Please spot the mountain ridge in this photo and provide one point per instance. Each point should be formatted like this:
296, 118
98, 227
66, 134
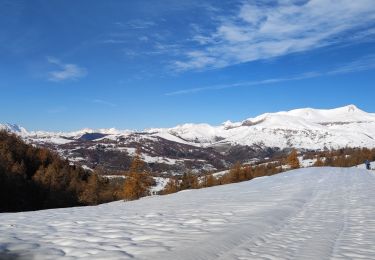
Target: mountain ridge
209, 148
299, 112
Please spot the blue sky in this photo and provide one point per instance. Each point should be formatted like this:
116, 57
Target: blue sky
67, 65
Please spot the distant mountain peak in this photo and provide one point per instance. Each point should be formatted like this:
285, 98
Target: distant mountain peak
14, 128
352, 108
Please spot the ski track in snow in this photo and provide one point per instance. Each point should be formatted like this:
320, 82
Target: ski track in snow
315, 213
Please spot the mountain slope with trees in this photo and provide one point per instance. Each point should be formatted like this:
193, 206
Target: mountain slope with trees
35, 178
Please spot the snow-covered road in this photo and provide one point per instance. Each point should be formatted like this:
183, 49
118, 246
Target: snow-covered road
315, 213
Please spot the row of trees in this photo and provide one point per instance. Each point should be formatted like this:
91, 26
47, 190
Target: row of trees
187, 181
138, 180
347, 157
237, 173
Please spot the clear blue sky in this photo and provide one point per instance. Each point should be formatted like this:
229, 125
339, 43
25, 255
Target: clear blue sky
66, 65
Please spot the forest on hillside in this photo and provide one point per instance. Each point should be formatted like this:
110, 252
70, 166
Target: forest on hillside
34, 178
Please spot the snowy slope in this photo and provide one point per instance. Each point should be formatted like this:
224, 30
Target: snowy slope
301, 128
315, 213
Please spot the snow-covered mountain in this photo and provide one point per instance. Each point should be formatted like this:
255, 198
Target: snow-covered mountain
204, 146
315, 213
301, 128
14, 129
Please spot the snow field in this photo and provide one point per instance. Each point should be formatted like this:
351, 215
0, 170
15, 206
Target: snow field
314, 213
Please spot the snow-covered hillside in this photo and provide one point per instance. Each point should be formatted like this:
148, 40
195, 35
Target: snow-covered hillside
14, 129
207, 147
315, 213
302, 128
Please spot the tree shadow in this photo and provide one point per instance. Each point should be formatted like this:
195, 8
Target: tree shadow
12, 256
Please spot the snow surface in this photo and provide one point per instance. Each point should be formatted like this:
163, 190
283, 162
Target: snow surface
363, 166
219, 174
160, 183
313, 213
304, 163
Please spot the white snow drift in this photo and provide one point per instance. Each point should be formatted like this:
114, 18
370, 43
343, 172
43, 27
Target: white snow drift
315, 213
